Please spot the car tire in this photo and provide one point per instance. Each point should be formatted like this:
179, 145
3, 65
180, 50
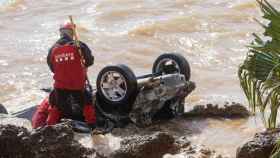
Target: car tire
178, 59
116, 88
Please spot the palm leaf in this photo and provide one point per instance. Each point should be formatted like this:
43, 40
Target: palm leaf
276, 151
259, 74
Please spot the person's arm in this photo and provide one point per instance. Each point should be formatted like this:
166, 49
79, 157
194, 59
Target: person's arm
49, 60
87, 54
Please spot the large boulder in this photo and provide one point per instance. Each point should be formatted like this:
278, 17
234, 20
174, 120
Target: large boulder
47, 142
152, 146
233, 110
57, 141
14, 142
261, 146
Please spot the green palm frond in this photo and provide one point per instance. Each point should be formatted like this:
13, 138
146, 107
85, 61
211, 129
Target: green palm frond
259, 74
276, 151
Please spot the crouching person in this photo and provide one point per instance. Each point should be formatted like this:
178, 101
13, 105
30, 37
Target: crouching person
47, 114
70, 73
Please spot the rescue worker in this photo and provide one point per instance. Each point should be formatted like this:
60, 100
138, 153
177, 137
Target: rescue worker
40, 116
70, 73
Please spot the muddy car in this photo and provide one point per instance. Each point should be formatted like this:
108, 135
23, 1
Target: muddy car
121, 95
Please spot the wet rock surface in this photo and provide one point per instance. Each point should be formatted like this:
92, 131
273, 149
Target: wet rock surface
233, 110
47, 142
261, 146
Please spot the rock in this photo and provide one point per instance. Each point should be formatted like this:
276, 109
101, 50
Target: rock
47, 142
261, 146
235, 110
56, 141
152, 146
3, 110
160, 145
14, 142
198, 151
182, 143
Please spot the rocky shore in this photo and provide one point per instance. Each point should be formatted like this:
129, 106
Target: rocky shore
58, 142
47, 142
18, 140
160, 145
233, 110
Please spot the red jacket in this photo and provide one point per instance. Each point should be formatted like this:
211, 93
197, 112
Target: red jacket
69, 73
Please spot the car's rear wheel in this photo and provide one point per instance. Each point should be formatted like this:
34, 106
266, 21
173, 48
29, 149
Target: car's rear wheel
172, 63
116, 88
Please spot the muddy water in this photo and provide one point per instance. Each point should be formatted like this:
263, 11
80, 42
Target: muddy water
211, 34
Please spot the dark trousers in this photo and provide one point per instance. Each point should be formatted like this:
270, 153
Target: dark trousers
70, 102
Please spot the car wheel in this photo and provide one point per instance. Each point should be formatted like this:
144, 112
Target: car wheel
172, 63
116, 88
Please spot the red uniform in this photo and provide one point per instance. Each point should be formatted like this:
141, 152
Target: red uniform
46, 114
40, 116
69, 73
64, 61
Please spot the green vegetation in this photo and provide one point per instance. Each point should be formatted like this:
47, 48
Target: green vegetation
276, 152
259, 75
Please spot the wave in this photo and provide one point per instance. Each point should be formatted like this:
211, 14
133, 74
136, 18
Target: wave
177, 24
10, 5
244, 6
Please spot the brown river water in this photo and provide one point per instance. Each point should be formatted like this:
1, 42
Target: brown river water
211, 34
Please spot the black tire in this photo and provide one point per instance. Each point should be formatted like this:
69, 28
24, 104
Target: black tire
183, 64
3, 110
123, 105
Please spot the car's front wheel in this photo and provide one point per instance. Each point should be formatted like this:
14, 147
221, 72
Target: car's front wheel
116, 88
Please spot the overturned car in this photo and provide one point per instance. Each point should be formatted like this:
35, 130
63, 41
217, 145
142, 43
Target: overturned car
120, 97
